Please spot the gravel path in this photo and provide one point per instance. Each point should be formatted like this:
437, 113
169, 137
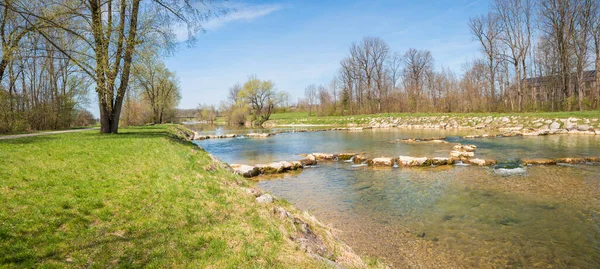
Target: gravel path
46, 133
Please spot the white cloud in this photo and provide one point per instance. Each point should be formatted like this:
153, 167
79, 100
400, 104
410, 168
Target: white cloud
237, 12
241, 13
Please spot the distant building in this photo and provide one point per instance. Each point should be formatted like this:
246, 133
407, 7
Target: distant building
539, 83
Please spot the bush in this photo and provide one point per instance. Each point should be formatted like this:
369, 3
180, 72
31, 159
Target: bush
83, 118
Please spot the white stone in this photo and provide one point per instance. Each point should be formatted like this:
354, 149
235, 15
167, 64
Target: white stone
412, 161
383, 161
459, 154
265, 199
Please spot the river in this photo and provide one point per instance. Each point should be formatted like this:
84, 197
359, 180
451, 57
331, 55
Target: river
452, 216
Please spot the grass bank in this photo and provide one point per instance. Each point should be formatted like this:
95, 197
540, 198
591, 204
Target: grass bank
303, 118
136, 199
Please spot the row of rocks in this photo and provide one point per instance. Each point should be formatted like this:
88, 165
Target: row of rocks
525, 124
424, 140
198, 136
544, 161
273, 167
407, 161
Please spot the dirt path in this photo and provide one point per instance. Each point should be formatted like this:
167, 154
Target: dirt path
46, 133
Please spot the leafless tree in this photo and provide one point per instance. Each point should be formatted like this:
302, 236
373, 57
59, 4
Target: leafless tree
515, 21
486, 29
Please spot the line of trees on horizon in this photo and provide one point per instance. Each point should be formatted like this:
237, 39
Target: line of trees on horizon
535, 56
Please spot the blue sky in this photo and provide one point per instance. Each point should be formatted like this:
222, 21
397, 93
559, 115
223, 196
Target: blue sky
297, 43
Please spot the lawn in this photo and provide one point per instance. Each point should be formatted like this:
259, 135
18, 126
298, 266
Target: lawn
141, 198
303, 118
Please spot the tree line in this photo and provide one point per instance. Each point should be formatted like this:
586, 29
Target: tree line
56, 51
535, 56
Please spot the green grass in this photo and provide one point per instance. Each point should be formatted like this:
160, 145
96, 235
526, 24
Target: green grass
303, 118
141, 198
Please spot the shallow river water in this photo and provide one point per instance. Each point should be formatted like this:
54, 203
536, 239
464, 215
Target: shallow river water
441, 217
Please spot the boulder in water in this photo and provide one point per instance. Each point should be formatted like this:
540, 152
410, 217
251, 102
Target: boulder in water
260, 135
461, 154
442, 161
345, 156
309, 160
358, 159
324, 156
466, 148
383, 161
245, 170
413, 161
482, 162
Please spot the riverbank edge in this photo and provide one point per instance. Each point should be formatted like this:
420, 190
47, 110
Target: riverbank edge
314, 234
526, 125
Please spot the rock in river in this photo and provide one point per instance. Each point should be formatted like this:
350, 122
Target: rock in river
324, 156
482, 162
383, 161
245, 170
539, 161
413, 161
461, 154
442, 161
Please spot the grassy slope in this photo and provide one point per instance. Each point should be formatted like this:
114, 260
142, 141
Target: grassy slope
303, 118
139, 198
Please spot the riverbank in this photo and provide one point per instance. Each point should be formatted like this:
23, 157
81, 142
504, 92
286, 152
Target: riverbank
144, 197
587, 122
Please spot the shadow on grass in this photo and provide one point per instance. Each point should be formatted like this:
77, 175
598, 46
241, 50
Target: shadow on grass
28, 140
109, 242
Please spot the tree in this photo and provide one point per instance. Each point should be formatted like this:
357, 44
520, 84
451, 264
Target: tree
515, 17
260, 96
487, 31
107, 34
310, 93
158, 85
418, 67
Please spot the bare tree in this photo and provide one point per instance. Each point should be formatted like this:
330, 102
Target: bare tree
310, 93
487, 31
515, 19
418, 67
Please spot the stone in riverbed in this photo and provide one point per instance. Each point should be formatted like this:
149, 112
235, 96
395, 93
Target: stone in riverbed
309, 160
383, 161
408, 161
358, 159
259, 135
467, 148
593, 159
481, 162
461, 154
442, 161
345, 156
554, 126
571, 160
245, 170
324, 156
538, 162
